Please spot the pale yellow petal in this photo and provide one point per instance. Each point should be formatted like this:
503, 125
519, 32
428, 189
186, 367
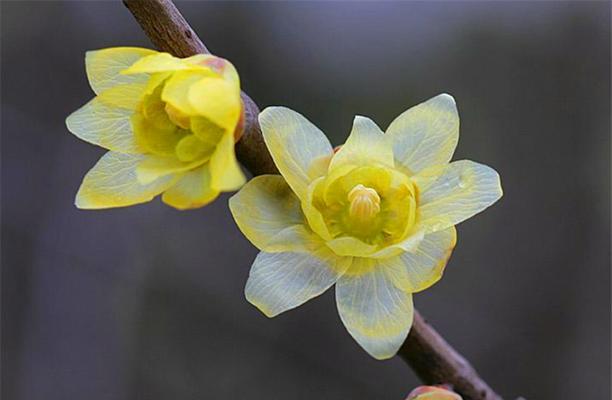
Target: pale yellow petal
366, 146
159, 62
104, 66
295, 145
154, 137
224, 168
191, 148
408, 244
313, 215
200, 60
152, 167
126, 96
176, 90
377, 314
155, 80
428, 176
266, 210
229, 74
218, 65
351, 247
282, 281
104, 126
464, 189
416, 271
217, 100
207, 131
112, 182
192, 190
427, 134
296, 238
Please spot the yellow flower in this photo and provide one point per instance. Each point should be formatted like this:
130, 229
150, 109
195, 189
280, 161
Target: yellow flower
168, 124
376, 218
433, 393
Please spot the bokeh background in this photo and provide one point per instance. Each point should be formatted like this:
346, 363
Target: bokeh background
147, 302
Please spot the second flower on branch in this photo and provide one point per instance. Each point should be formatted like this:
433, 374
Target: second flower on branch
376, 218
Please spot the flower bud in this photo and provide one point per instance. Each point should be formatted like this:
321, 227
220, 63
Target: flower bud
440, 392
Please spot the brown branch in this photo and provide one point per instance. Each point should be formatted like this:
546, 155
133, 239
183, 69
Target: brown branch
166, 27
435, 361
431, 357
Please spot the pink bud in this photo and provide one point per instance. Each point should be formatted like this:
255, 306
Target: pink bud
440, 392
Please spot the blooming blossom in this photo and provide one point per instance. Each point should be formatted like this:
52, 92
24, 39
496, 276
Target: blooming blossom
376, 218
169, 125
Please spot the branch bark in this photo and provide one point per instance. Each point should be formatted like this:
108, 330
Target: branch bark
435, 361
429, 355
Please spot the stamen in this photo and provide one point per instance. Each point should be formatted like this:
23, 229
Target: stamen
364, 203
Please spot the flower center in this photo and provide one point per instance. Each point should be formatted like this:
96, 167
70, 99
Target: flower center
177, 117
364, 203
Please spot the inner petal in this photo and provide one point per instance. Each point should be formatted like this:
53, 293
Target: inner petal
177, 117
374, 204
167, 130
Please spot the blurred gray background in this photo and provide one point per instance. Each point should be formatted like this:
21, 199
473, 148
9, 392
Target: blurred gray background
147, 302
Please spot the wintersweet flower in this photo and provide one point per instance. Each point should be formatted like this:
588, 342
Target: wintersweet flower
433, 393
376, 218
169, 125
